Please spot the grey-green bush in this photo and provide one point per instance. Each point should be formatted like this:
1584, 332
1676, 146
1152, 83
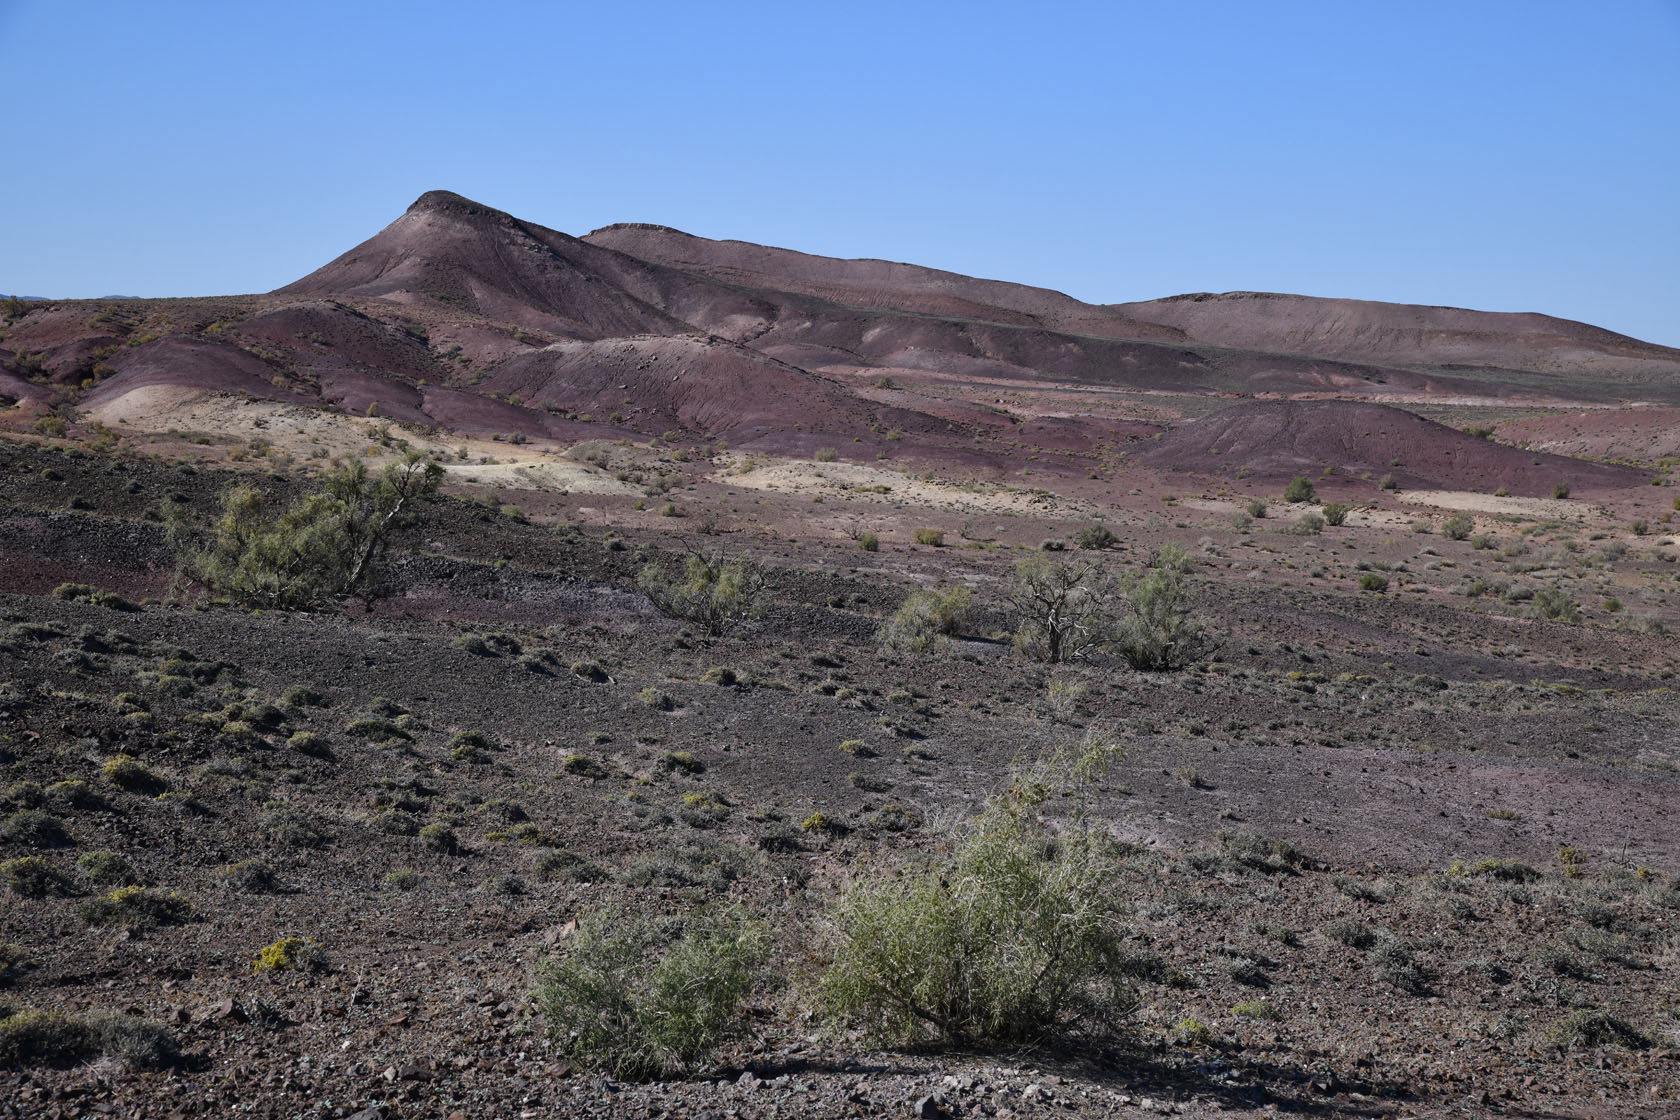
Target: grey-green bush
925, 618
713, 593
642, 1000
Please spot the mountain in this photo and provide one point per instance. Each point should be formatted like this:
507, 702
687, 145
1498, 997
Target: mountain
464, 317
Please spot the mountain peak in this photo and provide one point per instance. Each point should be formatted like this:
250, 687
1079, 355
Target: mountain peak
448, 202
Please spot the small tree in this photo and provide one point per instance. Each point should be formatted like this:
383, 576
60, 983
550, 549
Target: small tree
1159, 631
325, 547
1064, 608
713, 593
1300, 489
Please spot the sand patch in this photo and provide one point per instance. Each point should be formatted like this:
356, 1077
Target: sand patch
539, 475
858, 482
1539, 509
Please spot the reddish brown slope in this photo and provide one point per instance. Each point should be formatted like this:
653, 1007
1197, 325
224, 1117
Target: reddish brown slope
1406, 334
1283, 438
875, 283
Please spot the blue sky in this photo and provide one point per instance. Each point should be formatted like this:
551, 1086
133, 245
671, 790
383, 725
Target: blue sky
1520, 156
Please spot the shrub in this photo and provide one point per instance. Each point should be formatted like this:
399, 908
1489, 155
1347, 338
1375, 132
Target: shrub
1351, 932
297, 827
657, 699
930, 536
326, 546
1307, 525
249, 876
1158, 630
30, 1037
378, 730
1095, 537
439, 837
640, 1000
1554, 603
1388, 482
1300, 489
585, 767
86, 593
1064, 608
1335, 513
136, 908
312, 744
1256, 508
570, 867
127, 773
713, 593
1013, 937
35, 828
1371, 581
925, 617
105, 867
869, 542
1597, 1028
1561, 490
35, 877
290, 954
1457, 527
825, 455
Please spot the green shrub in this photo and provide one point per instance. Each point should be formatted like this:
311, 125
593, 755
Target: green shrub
439, 837
1388, 482
1300, 489
925, 617
326, 546
1307, 525
1561, 490
82, 592
36, 877
136, 908
1012, 938
1371, 581
1095, 537
825, 455
1457, 527
1158, 629
1256, 508
930, 536
127, 773
1335, 513
657, 699
713, 593
294, 826
1555, 604
377, 730
290, 954
1588, 1029
312, 744
35, 828
642, 1000
568, 866
585, 767
105, 867
869, 542
31, 1037
249, 876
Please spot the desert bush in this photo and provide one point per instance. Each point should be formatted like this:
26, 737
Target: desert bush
1457, 527
1307, 525
36, 877
869, 542
1554, 603
1300, 489
925, 618
86, 593
35, 828
642, 998
127, 773
930, 536
1371, 581
105, 867
1256, 508
825, 455
1064, 608
32, 1037
713, 593
312, 744
294, 826
1335, 513
1012, 937
1350, 932
326, 546
248, 876
290, 954
1597, 1028
569, 866
1258, 852
1561, 490
1158, 630
136, 908
1095, 537
439, 837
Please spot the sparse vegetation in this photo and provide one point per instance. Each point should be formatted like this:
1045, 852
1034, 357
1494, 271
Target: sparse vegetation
713, 593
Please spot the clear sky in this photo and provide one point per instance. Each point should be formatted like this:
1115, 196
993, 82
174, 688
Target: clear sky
1509, 156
